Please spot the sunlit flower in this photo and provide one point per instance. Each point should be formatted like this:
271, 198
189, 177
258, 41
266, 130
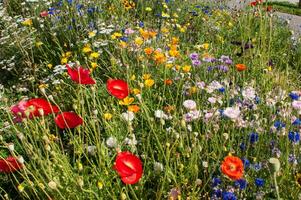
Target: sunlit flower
231, 112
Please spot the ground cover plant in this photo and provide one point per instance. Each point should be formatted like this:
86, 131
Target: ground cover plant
148, 100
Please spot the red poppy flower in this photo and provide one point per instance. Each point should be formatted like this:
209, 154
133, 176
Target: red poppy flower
44, 13
118, 88
240, 67
35, 107
129, 167
68, 120
80, 75
232, 167
9, 165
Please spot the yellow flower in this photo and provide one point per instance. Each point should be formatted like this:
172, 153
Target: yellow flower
27, 22
169, 66
123, 44
68, 54
149, 82
148, 9
174, 53
136, 91
49, 65
64, 60
165, 15
21, 187
174, 40
138, 41
193, 90
205, 46
146, 76
159, 57
87, 48
107, 116
186, 68
126, 101
133, 77
116, 35
94, 65
100, 185
165, 30
91, 34
38, 44
94, 55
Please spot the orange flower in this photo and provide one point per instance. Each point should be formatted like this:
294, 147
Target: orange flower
168, 82
148, 51
233, 167
134, 108
241, 67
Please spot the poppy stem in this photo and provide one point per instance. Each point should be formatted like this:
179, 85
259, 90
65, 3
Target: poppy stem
276, 186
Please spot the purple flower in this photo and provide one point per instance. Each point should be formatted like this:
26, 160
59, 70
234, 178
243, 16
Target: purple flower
226, 60
223, 68
194, 56
196, 63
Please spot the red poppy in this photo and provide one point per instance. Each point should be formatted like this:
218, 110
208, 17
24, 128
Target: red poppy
233, 167
240, 67
34, 107
118, 88
44, 13
9, 165
80, 75
68, 120
129, 167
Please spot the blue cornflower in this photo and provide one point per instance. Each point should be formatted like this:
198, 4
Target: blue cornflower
297, 122
257, 99
217, 193
216, 181
229, 196
257, 166
79, 6
294, 96
222, 89
125, 39
294, 136
243, 146
259, 182
91, 10
246, 163
278, 125
253, 137
69, 1
241, 183
141, 24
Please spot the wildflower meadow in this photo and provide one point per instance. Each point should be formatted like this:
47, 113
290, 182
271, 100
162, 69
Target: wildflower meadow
148, 99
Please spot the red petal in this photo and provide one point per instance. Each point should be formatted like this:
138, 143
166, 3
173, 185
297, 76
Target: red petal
80, 75
68, 120
118, 88
9, 165
134, 178
43, 104
129, 167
